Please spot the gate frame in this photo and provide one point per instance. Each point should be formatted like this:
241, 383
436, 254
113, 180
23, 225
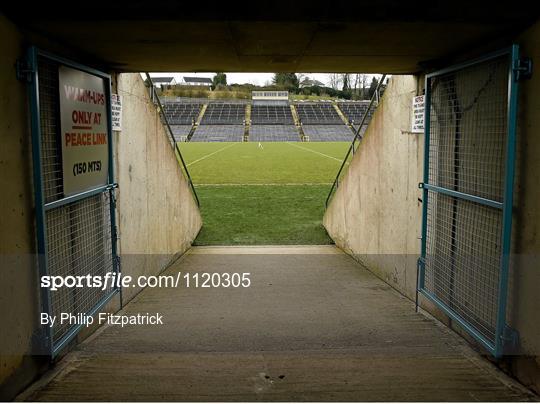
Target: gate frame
31, 70
503, 334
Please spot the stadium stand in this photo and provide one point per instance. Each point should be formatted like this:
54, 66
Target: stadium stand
180, 132
272, 122
321, 123
273, 133
224, 114
271, 115
182, 113
318, 114
354, 112
328, 133
218, 133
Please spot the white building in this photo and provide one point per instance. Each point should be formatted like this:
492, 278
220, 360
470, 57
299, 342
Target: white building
163, 81
197, 81
310, 83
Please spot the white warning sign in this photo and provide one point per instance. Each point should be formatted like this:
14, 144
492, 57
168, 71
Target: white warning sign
83, 122
116, 112
417, 121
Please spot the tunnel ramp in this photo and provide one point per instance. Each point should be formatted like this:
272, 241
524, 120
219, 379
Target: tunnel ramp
314, 325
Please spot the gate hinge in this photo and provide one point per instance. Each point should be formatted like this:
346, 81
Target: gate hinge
24, 70
420, 265
510, 340
111, 188
522, 68
421, 185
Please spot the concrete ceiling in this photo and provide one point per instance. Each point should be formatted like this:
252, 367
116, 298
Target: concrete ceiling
272, 36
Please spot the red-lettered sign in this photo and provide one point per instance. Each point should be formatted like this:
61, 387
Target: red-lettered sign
83, 122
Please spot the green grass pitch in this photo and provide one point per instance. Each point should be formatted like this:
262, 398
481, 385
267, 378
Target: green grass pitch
268, 194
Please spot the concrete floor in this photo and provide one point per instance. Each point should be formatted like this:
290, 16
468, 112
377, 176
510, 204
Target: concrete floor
313, 326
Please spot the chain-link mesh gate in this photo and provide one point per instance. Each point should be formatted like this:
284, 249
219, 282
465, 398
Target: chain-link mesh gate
467, 200
76, 234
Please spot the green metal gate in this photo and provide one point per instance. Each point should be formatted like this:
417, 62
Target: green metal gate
470, 134
76, 233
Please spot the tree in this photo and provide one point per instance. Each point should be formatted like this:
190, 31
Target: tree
335, 80
288, 81
356, 80
358, 85
373, 86
363, 80
219, 79
346, 82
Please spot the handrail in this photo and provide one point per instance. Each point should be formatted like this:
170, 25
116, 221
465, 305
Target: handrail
356, 136
177, 149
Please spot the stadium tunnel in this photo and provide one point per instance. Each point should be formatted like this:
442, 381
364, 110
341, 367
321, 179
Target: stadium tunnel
476, 207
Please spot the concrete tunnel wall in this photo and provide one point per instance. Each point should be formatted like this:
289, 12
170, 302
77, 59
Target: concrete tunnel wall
157, 216
376, 213
18, 273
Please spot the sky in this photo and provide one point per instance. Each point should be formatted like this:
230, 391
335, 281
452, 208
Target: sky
240, 78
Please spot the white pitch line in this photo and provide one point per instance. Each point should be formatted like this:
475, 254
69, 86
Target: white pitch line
211, 154
316, 152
